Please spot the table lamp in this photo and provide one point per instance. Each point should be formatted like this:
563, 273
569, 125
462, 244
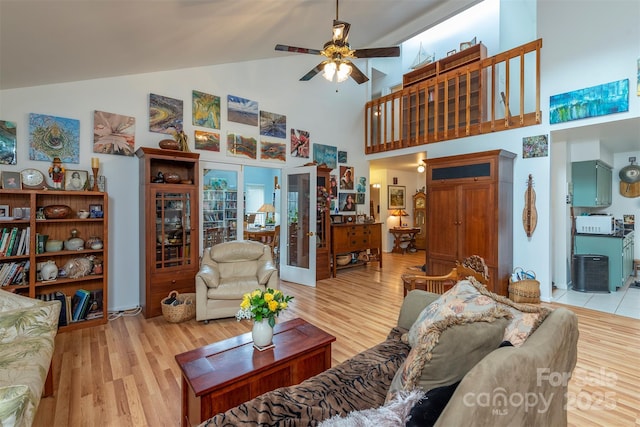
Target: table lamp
267, 208
399, 213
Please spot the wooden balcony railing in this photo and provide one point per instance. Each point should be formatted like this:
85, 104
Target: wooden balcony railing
474, 99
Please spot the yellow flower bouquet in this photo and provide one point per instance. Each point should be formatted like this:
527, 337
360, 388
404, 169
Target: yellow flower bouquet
259, 305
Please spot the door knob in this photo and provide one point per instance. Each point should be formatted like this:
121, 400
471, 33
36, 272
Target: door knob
309, 234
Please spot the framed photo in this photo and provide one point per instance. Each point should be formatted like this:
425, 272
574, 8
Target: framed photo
397, 196
95, 211
4, 211
75, 180
11, 180
336, 219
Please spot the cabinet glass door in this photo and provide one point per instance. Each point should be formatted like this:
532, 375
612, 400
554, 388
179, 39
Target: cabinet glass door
173, 229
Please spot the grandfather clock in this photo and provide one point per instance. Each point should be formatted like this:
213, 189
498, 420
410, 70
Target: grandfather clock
420, 218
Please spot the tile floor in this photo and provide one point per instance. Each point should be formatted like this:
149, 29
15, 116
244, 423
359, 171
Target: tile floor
624, 302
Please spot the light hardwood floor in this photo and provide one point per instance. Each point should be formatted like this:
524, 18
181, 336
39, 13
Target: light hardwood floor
124, 373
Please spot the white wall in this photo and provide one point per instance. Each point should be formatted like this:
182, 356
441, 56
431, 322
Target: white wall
331, 113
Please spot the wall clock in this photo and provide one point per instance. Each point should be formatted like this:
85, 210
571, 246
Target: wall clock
32, 179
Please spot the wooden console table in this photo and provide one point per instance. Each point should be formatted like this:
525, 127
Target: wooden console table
402, 235
227, 373
347, 238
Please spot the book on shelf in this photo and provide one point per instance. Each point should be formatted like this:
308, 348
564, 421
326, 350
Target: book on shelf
94, 310
11, 241
4, 237
11, 273
82, 301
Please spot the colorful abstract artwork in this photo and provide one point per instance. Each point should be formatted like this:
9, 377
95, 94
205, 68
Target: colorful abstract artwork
113, 134
207, 140
165, 114
273, 151
326, 154
241, 146
205, 110
272, 124
8, 143
535, 146
342, 157
608, 98
51, 136
241, 110
300, 143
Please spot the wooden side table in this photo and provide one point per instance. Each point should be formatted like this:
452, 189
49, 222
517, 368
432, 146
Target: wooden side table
227, 373
403, 235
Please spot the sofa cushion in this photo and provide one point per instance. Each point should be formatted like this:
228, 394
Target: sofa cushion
234, 288
470, 296
14, 401
449, 348
237, 251
40, 318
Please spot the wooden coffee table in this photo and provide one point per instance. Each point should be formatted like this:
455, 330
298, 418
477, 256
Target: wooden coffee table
227, 373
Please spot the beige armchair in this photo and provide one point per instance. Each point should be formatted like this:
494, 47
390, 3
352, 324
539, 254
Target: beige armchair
227, 272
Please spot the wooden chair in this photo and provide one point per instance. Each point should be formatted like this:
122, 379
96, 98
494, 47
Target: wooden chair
435, 284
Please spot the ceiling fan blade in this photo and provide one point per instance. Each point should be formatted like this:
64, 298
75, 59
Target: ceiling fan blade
294, 49
377, 52
313, 72
340, 31
357, 75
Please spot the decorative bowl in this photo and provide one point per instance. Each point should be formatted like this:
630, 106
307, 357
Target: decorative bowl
169, 144
53, 245
83, 214
56, 211
343, 259
172, 178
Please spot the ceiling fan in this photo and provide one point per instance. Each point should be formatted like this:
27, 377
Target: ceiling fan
339, 55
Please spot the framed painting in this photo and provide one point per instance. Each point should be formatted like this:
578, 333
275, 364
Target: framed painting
608, 98
342, 157
207, 140
326, 154
165, 114
346, 178
51, 137
397, 196
114, 134
535, 146
75, 180
299, 143
7, 143
11, 180
242, 146
241, 110
205, 110
273, 151
272, 124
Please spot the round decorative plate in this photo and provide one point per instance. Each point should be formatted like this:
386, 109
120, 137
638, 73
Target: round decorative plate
32, 179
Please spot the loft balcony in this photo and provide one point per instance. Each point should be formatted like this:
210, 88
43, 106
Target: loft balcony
462, 95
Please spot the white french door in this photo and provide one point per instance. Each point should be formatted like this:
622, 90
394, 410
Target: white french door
298, 227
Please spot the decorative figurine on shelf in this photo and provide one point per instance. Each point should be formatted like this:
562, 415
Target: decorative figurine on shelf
181, 137
56, 172
159, 178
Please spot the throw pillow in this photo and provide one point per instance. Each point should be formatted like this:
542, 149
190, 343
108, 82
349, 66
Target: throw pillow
470, 296
392, 414
449, 348
40, 318
426, 412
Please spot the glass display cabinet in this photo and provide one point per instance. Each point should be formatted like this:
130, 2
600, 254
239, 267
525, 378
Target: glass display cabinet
168, 225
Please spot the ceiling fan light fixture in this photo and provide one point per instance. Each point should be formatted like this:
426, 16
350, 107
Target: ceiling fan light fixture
329, 70
344, 71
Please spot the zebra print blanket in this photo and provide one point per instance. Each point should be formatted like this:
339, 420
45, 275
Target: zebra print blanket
359, 383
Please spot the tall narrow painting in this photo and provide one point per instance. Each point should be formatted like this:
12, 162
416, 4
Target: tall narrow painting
300, 143
205, 110
7, 143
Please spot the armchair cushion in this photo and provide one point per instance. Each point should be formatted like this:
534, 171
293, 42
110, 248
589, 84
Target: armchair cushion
265, 270
209, 276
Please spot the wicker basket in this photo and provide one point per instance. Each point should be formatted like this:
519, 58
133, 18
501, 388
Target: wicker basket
527, 290
185, 310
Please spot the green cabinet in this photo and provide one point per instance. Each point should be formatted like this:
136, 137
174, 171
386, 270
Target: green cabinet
592, 183
618, 249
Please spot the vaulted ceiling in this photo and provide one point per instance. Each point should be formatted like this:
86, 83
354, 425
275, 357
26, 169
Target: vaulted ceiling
54, 41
